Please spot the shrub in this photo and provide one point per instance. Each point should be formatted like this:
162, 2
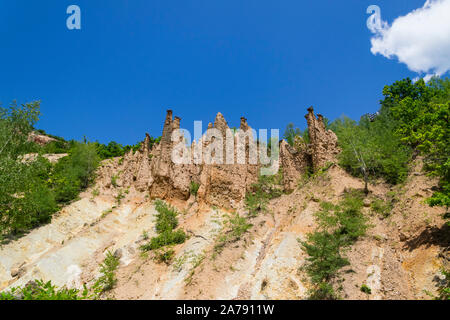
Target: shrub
372, 149
235, 226
364, 288
108, 268
74, 173
339, 226
166, 222
193, 188
164, 255
267, 188
381, 207
40, 290
119, 197
114, 181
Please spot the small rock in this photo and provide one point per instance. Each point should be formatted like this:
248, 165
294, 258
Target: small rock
366, 203
118, 253
402, 236
18, 270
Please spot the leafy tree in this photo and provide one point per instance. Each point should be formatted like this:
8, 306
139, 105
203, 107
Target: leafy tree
25, 199
372, 148
75, 172
421, 113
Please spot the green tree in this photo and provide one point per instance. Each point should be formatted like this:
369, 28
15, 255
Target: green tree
421, 113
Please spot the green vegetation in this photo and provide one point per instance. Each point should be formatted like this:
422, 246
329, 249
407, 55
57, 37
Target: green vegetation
40, 290
413, 120
422, 112
443, 287
291, 132
366, 289
108, 268
339, 226
119, 197
312, 177
164, 255
372, 148
166, 223
267, 188
193, 188
234, 226
31, 191
114, 181
74, 173
382, 207
114, 149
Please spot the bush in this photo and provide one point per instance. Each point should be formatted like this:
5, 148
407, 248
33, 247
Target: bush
381, 207
235, 226
266, 189
421, 114
74, 173
339, 226
108, 268
166, 222
164, 255
40, 290
193, 188
364, 288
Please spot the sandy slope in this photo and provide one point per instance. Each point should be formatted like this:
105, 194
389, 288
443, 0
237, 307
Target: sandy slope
398, 258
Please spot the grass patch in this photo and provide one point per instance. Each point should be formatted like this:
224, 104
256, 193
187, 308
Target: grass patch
235, 226
382, 207
120, 196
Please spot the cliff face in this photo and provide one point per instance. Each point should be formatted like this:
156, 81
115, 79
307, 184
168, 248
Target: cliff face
400, 256
301, 157
223, 180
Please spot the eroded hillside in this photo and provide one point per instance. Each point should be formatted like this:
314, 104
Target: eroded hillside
256, 257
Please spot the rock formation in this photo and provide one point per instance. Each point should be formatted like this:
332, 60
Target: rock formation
224, 163
40, 139
302, 157
323, 143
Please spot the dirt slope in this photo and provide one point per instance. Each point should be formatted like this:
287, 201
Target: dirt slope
398, 258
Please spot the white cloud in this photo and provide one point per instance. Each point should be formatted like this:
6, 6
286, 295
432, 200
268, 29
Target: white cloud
420, 39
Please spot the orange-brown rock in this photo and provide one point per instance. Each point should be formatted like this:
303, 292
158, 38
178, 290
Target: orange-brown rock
224, 181
323, 143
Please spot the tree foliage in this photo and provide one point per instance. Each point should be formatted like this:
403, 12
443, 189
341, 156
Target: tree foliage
421, 113
339, 226
31, 191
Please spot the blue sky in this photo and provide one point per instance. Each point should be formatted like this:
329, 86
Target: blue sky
132, 60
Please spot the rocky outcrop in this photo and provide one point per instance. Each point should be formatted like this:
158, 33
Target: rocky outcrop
40, 139
295, 161
302, 157
323, 146
224, 163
